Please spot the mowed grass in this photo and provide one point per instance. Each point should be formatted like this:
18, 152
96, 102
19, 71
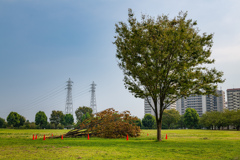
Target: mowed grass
181, 144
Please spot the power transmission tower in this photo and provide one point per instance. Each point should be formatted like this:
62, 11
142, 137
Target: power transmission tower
69, 103
93, 103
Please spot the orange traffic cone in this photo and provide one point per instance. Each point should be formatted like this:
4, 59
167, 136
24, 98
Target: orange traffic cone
62, 137
166, 136
33, 137
147, 134
36, 137
52, 135
88, 137
44, 138
127, 137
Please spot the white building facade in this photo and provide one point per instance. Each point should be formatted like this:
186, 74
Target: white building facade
149, 110
233, 98
202, 103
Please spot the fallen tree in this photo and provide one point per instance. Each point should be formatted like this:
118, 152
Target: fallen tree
107, 124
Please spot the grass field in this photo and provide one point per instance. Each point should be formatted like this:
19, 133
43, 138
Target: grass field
181, 144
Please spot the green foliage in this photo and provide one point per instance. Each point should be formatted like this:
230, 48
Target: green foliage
83, 117
165, 59
41, 119
53, 126
191, 118
228, 117
83, 111
69, 119
138, 122
56, 118
170, 118
149, 121
14, 119
236, 119
181, 123
216, 119
88, 115
60, 126
22, 120
2, 123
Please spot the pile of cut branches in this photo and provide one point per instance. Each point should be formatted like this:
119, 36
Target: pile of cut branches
107, 124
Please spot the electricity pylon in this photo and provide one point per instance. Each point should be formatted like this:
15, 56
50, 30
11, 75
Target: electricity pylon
69, 103
93, 103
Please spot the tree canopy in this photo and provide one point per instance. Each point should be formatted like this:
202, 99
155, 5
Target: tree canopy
215, 119
2, 123
148, 121
191, 118
68, 119
41, 119
165, 59
57, 117
83, 111
15, 119
170, 117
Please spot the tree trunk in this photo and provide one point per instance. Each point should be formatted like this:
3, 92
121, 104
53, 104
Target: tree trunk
159, 129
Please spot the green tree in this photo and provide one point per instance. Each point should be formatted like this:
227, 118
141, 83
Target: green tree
165, 59
138, 122
213, 119
13, 119
206, 120
191, 118
83, 118
22, 120
41, 119
181, 123
27, 124
82, 111
87, 115
69, 119
228, 117
56, 118
220, 119
171, 117
236, 119
148, 121
2, 123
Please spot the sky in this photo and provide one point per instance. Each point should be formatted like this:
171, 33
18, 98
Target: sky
44, 43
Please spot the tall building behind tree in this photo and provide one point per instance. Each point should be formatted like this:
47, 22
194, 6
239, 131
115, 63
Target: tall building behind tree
149, 110
233, 98
202, 103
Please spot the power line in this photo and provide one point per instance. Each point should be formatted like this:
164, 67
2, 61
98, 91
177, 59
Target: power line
44, 102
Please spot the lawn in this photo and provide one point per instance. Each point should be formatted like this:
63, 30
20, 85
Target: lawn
181, 144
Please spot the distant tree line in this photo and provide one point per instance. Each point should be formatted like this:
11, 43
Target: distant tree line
221, 120
209, 120
57, 120
171, 120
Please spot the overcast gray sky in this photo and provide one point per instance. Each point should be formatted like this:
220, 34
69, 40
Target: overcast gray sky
43, 43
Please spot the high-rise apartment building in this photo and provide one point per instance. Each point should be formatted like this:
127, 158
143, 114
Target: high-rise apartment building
147, 107
233, 98
202, 103
149, 110
197, 102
